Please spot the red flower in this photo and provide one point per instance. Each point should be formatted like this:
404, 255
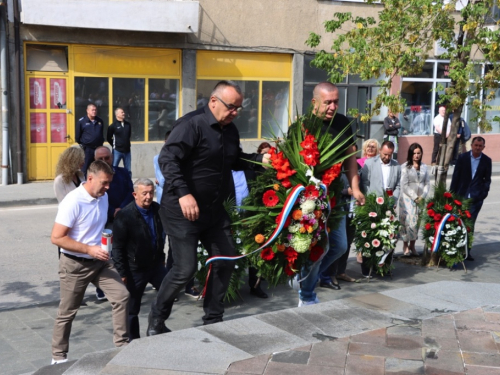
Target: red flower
427, 226
311, 192
447, 207
468, 229
287, 221
447, 194
451, 218
270, 198
457, 202
331, 174
438, 217
286, 183
333, 202
311, 157
430, 204
267, 253
290, 254
288, 270
467, 213
309, 143
316, 253
431, 213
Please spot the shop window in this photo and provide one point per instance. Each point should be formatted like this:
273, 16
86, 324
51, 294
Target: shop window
46, 58
163, 107
417, 118
93, 90
128, 93
275, 111
427, 71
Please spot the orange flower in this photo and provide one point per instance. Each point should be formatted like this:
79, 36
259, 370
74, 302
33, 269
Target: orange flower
297, 215
276, 187
310, 230
317, 214
260, 238
302, 230
280, 247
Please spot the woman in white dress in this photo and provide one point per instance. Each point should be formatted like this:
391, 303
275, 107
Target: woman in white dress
68, 173
415, 184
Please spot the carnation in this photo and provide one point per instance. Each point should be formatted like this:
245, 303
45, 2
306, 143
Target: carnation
363, 234
367, 245
388, 213
379, 253
300, 243
376, 243
372, 214
373, 225
294, 228
308, 207
380, 200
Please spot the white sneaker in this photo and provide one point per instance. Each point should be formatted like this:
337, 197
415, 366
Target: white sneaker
305, 303
54, 362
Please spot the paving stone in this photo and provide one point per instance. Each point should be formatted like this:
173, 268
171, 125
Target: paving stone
476, 325
492, 316
397, 366
473, 314
384, 351
255, 365
253, 336
403, 331
364, 364
481, 370
444, 361
54, 369
477, 341
291, 356
377, 336
441, 343
405, 343
329, 353
207, 353
120, 370
481, 359
92, 363
276, 368
439, 327
306, 348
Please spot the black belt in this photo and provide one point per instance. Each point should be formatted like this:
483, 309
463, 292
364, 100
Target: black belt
79, 259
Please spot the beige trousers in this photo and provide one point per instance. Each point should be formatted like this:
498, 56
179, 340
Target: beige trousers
75, 276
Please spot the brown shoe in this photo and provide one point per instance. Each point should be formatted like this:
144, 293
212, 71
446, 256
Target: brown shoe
347, 278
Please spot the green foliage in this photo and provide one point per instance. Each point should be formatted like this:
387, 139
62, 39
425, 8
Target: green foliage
402, 38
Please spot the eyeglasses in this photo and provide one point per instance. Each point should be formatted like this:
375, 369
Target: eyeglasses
230, 107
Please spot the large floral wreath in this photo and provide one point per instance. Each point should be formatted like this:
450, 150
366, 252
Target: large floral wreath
376, 232
447, 225
292, 204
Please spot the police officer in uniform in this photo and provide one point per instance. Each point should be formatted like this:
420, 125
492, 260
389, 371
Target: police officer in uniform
89, 134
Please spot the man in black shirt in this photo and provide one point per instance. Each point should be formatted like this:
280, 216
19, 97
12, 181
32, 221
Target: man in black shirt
196, 162
89, 134
118, 137
326, 101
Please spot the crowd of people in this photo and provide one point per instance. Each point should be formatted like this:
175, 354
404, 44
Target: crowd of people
199, 167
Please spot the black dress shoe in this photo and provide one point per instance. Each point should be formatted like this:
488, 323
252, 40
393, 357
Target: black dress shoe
329, 285
257, 292
469, 258
156, 326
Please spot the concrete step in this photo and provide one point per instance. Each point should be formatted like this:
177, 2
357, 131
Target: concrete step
55, 369
92, 363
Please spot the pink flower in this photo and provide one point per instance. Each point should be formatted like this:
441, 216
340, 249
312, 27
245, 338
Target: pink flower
391, 235
392, 218
373, 226
376, 243
380, 200
373, 214
367, 245
363, 234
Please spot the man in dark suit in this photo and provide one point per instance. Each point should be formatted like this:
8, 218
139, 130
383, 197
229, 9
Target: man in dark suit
472, 177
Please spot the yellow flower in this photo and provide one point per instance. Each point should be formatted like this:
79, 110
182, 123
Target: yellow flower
310, 230
302, 230
276, 187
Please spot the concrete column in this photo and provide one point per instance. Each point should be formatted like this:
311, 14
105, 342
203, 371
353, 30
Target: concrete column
297, 84
188, 80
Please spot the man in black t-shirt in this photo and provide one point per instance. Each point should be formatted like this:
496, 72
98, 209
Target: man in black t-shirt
326, 101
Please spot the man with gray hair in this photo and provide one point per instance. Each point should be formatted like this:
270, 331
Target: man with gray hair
196, 161
138, 243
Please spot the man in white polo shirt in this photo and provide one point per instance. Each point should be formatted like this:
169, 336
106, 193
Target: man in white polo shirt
77, 231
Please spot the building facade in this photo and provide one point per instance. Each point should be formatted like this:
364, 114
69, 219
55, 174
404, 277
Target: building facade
159, 59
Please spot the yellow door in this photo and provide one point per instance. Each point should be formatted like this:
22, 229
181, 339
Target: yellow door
47, 119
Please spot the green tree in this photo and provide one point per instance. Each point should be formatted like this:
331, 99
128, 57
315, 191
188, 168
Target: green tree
399, 42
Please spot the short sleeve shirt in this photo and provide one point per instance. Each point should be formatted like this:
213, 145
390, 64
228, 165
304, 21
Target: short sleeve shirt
85, 216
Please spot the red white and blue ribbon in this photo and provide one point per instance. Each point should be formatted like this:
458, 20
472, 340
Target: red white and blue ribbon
437, 236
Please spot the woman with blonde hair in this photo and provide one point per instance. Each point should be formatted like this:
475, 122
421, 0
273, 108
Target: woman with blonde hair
68, 173
369, 150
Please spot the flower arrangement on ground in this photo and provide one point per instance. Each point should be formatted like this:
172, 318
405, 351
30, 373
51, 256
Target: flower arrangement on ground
292, 204
447, 225
376, 232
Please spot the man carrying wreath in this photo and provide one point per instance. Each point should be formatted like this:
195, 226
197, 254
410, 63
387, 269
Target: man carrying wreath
326, 102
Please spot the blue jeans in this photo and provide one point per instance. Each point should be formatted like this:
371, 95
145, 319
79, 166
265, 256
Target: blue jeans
126, 157
338, 246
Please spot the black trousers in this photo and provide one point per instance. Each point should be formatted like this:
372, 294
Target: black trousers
170, 263
136, 283
89, 158
435, 150
217, 239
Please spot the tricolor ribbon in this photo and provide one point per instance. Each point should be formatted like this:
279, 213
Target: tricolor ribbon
437, 236
285, 212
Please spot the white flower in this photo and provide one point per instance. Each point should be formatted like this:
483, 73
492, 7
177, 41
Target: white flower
308, 207
383, 233
379, 253
388, 213
367, 245
294, 228
199, 266
453, 232
238, 241
367, 255
373, 226
431, 239
447, 226
235, 266
199, 249
205, 252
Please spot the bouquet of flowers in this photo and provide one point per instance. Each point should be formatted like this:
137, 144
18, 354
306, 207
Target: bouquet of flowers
447, 226
292, 204
376, 232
